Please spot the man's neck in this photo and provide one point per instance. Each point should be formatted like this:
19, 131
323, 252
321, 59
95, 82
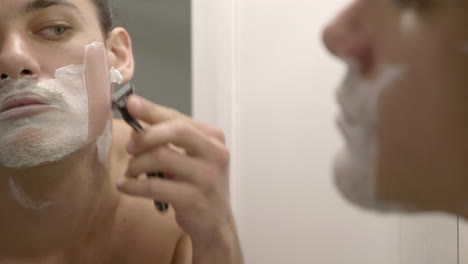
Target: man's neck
56, 209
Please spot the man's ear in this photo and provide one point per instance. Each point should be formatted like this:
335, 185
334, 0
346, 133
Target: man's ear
120, 53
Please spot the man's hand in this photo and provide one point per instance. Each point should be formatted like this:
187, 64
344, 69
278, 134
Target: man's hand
195, 161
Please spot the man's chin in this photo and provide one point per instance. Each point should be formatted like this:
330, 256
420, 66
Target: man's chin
357, 183
38, 150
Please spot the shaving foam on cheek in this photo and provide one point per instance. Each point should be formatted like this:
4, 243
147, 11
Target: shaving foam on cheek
65, 127
355, 166
65, 122
53, 134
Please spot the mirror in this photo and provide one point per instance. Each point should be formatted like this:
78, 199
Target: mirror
270, 57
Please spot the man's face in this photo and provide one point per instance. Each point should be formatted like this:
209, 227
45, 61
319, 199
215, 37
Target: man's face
416, 144
40, 41
39, 36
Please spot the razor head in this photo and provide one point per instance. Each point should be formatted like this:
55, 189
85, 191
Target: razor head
119, 102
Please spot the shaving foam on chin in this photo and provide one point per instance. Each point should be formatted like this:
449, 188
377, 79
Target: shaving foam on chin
64, 126
53, 134
355, 167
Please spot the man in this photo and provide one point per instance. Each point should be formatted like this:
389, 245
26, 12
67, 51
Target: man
404, 114
62, 156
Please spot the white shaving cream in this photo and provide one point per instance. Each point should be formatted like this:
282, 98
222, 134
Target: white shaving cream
115, 76
355, 167
51, 135
58, 131
18, 194
104, 143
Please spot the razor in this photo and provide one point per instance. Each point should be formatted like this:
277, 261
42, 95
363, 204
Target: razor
119, 102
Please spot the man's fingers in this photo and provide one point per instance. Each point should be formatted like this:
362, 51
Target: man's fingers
179, 133
149, 112
174, 193
168, 161
210, 130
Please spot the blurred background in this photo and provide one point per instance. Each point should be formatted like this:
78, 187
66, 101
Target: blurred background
161, 35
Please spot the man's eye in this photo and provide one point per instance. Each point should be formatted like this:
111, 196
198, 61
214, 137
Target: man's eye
54, 32
60, 30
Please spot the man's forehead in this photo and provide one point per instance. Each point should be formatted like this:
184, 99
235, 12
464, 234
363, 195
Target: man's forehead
34, 5
29, 6
24, 7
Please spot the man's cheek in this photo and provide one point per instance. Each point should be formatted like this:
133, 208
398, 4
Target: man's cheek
99, 82
35, 138
79, 98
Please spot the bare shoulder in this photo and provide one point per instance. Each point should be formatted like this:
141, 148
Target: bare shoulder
151, 236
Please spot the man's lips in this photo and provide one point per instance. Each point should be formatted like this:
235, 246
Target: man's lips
21, 100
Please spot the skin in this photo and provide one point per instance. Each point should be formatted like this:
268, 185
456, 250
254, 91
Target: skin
99, 215
423, 118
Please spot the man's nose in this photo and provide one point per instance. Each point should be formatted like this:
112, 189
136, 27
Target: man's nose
16, 59
345, 36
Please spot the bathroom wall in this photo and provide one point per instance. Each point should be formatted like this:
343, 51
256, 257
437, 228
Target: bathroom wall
261, 73
463, 242
161, 34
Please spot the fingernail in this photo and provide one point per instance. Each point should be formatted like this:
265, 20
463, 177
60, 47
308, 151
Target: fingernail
120, 182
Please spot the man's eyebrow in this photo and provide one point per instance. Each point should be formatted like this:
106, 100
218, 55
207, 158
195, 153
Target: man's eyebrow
36, 5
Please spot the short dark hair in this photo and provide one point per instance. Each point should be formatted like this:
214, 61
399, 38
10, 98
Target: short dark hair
104, 13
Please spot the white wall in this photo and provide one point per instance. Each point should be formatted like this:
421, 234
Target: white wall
261, 73
463, 242
161, 33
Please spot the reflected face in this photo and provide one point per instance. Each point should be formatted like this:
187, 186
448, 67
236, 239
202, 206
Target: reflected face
37, 38
416, 147
40, 36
